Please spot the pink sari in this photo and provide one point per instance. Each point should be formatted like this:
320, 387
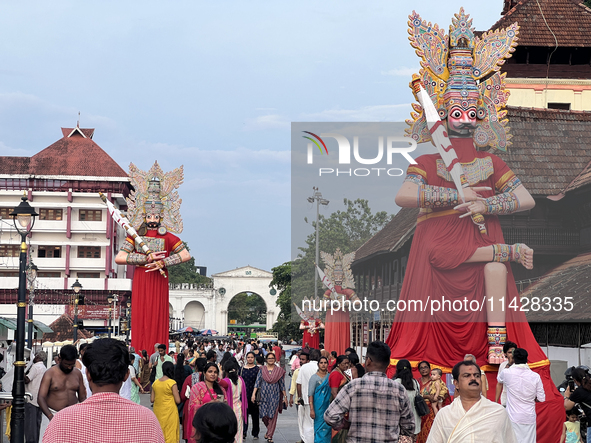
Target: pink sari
199, 396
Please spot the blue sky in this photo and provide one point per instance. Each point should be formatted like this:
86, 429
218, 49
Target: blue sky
213, 86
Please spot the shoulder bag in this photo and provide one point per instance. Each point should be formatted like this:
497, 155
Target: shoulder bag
420, 403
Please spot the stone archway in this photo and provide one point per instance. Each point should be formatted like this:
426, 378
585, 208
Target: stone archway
246, 279
195, 315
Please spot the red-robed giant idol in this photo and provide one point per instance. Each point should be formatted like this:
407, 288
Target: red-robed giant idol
153, 209
451, 258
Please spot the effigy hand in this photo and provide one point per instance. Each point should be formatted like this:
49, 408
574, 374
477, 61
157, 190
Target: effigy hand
155, 256
473, 207
155, 266
472, 194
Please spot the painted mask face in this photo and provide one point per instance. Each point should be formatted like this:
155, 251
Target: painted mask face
461, 122
152, 221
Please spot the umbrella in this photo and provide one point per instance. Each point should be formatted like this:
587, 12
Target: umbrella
186, 329
208, 332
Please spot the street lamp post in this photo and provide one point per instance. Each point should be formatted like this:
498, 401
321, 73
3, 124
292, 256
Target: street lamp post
128, 319
110, 301
317, 197
31, 277
76, 287
24, 219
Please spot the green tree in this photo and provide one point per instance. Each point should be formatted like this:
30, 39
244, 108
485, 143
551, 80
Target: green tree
346, 229
186, 272
285, 326
588, 3
247, 308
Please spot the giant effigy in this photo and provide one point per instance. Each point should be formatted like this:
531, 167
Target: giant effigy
459, 261
153, 211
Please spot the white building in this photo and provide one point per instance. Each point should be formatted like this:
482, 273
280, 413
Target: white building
73, 237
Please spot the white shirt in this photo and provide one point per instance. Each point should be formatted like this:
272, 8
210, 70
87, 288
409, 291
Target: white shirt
35, 375
523, 387
504, 391
306, 372
125, 390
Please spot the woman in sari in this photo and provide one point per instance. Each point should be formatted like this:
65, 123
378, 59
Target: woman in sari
165, 396
273, 396
203, 392
425, 387
145, 371
236, 395
189, 382
338, 378
319, 399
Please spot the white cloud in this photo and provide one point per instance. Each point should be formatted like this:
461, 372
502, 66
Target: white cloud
402, 71
375, 113
269, 121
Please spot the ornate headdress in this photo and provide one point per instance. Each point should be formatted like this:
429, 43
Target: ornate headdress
340, 264
155, 194
455, 72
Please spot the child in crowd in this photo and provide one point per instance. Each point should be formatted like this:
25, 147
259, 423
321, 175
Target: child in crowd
571, 431
438, 389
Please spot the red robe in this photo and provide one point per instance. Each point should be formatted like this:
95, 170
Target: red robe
337, 325
150, 306
436, 270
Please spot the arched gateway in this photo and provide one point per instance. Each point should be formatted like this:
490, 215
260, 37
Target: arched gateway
201, 306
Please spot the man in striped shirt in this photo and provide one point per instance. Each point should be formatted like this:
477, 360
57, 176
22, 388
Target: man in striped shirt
379, 410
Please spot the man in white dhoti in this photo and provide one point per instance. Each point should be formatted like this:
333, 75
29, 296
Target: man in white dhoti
524, 389
472, 417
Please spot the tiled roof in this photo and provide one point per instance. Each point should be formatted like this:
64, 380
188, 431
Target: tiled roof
72, 155
389, 238
63, 330
568, 20
550, 149
571, 279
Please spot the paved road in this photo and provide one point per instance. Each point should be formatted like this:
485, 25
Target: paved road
287, 424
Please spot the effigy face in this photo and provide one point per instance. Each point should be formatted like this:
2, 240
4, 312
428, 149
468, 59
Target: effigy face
460, 72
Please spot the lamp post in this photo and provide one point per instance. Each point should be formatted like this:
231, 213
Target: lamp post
110, 301
128, 319
317, 197
24, 219
31, 277
76, 288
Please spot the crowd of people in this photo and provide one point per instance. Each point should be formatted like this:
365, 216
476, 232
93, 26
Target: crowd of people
216, 389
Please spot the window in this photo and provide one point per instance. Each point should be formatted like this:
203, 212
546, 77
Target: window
10, 250
50, 214
49, 252
89, 252
45, 274
565, 106
8, 273
90, 215
5, 212
88, 274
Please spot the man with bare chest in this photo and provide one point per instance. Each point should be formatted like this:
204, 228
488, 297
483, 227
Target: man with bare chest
62, 386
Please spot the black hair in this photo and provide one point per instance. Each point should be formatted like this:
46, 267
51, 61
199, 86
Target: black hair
508, 345
83, 346
572, 412
404, 373
379, 352
323, 357
250, 352
168, 369
210, 354
231, 369
107, 361
69, 352
215, 422
351, 350
424, 361
179, 370
162, 346
439, 371
260, 359
216, 386
144, 353
334, 354
520, 356
200, 364
340, 359
315, 354
455, 372
131, 357
582, 376
353, 358
227, 356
